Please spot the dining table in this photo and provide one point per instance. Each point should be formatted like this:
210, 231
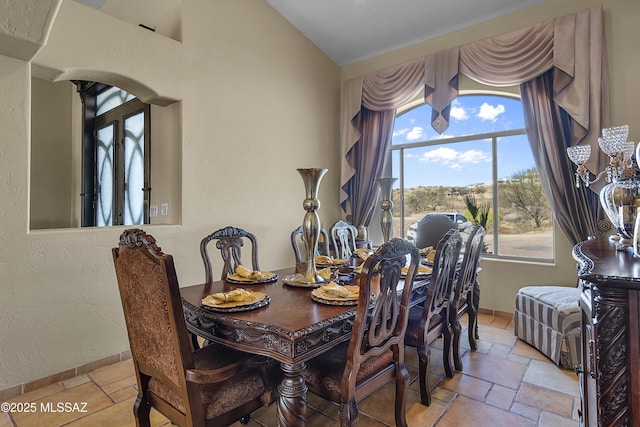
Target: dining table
287, 326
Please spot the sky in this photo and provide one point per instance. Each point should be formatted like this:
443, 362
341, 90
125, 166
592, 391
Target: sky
464, 163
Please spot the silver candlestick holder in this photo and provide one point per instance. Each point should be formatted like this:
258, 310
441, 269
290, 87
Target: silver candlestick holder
386, 216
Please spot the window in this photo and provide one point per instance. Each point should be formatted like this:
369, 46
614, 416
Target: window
116, 158
483, 160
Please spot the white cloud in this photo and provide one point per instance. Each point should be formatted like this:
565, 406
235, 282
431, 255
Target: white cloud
489, 112
458, 113
400, 132
416, 133
474, 156
455, 159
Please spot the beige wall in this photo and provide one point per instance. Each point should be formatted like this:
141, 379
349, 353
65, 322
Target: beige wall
51, 197
257, 100
500, 280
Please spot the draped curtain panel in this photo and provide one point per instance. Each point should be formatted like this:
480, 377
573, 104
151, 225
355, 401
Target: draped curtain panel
370, 153
548, 128
572, 46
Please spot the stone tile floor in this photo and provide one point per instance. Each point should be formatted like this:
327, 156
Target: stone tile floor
505, 382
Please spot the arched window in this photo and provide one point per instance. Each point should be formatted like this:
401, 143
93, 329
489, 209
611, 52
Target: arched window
483, 160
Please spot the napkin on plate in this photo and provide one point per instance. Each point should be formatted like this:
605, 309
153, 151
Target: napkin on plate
244, 272
422, 269
236, 295
325, 273
363, 253
429, 252
335, 290
324, 259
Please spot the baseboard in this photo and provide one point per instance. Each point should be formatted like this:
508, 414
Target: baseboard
496, 313
18, 390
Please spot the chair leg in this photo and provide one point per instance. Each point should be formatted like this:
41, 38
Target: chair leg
348, 414
472, 331
402, 379
457, 333
424, 361
476, 307
142, 406
447, 351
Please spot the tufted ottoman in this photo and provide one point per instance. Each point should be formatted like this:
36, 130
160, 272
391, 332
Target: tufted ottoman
548, 318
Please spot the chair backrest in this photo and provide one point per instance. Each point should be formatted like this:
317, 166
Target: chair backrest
229, 240
150, 295
381, 317
297, 242
442, 278
343, 239
468, 272
432, 228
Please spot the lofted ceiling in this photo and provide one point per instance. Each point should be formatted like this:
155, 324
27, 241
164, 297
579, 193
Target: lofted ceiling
346, 30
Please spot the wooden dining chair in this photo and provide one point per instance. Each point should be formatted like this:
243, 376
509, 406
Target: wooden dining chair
343, 239
229, 240
297, 242
211, 386
431, 320
466, 294
432, 228
375, 353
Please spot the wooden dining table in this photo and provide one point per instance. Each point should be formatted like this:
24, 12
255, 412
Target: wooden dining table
292, 329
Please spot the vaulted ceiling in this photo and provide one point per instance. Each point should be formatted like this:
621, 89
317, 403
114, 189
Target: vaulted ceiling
346, 30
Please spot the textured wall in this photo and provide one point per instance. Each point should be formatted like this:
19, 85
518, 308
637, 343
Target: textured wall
257, 101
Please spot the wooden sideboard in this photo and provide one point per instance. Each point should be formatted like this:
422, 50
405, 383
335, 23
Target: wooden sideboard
610, 303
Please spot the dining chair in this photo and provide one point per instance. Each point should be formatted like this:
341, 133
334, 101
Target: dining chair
428, 322
466, 294
297, 242
210, 386
343, 239
374, 354
229, 240
432, 228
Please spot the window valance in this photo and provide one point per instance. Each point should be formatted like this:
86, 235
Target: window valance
572, 45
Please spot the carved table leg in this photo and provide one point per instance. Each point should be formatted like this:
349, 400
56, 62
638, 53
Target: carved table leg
292, 402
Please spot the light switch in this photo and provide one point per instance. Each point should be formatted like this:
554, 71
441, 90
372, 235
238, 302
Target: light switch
164, 209
153, 211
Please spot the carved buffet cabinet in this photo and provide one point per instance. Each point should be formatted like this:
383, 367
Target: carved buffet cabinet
610, 303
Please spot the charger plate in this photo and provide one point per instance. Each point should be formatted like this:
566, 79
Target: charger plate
236, 278
319, 295
259, 299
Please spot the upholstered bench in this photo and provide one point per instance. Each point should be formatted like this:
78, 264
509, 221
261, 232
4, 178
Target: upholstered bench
548, 318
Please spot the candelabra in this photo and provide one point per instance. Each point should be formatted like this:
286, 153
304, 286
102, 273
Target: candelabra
613, 143
620, 197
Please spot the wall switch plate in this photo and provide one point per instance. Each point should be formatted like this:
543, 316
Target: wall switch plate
164, 209
153, 211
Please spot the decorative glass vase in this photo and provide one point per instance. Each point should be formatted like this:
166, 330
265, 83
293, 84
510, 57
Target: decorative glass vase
620, 201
